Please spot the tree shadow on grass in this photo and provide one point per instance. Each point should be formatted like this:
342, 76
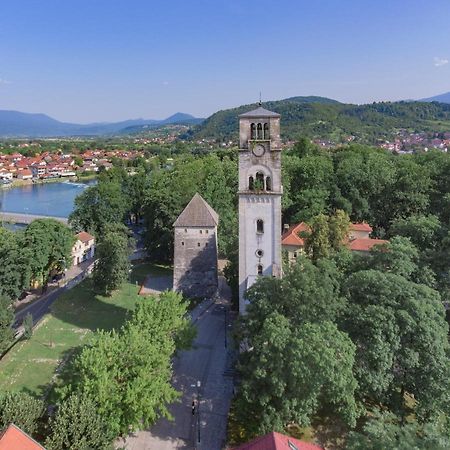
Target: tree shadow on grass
88, 311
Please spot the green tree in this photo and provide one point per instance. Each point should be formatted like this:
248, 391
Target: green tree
28, 326
48, 244
339, 226
78, 426
98, 206
128, 373
421, 230
21, 409
317, 241
14, 267
112, 266
400, 333
6, 322
290, 373
384, 431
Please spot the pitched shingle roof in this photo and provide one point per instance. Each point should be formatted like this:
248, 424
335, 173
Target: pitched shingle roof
13, 438
277, 441
260, 112
84, 236
197, 214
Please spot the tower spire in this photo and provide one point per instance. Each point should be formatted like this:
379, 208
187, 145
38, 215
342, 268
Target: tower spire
260, 103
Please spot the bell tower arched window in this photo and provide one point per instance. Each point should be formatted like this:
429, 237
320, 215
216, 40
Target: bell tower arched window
251, 184
259, 184
266, 131
252, 131
260, 226
260, 131
268, 184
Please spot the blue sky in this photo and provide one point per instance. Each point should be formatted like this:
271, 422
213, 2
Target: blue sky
107, 60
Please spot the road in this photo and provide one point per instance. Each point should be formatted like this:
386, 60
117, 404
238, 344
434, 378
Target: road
210, 363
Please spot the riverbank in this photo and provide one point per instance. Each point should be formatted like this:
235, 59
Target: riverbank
20, 183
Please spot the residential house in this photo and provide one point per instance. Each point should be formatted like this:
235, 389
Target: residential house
359, 241
24, 174
84, 248
277, 441
13, 438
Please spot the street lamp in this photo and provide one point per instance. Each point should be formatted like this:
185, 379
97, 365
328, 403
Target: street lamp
198, 410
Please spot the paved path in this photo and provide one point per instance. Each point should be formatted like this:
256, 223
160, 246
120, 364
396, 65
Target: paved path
208, 362
26, 218
156, 284
41, 306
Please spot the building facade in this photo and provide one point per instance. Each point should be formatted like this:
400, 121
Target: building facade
260, 192
195, 271
84, 248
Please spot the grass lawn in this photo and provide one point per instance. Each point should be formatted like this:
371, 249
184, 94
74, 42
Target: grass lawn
30, 365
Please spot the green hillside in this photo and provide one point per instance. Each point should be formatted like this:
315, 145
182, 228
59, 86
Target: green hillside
317, 117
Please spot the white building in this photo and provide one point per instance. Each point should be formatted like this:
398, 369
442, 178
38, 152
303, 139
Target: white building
259, 193
84, 247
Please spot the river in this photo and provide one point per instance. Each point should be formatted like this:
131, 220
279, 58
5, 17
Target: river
47, 199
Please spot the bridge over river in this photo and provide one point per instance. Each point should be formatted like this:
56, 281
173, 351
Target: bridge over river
25, 219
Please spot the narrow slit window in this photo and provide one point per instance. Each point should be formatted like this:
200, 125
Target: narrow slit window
253, 131
260, 226
266, 131
268, 184
260, 269
251, 184
198, 244
260, 131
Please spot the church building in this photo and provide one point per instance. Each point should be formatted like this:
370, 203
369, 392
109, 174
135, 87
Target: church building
260, 192
195, 250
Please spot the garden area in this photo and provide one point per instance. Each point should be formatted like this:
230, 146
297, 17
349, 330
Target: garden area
32, 364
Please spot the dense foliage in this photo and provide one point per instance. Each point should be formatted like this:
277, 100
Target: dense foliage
127, 373
326, 119
21, 409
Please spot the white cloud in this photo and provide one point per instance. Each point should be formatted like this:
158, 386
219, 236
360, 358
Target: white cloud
438, 62
165, 83
3, 81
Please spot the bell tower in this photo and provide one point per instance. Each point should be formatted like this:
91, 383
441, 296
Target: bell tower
259, 194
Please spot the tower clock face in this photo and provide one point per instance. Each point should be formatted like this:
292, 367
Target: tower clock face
258, 150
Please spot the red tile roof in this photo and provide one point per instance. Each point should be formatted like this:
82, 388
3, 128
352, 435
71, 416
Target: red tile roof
365, 244
291, 236
277, 441
361, 227
84, 236
13, 438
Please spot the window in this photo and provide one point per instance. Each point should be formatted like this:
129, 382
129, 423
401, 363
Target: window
260, 131
251, 184
259, 185
252, 131
260, 269
268, 184
260, 226
201, 231
206, 244
206, 231
259, 253
182, 242
198, 244
266, 131
185, 230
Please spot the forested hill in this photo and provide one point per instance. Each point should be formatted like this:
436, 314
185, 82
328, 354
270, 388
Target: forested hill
322, 118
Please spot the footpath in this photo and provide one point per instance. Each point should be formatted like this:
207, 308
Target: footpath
204, 376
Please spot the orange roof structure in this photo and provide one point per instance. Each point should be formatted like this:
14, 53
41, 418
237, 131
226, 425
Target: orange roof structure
291, 236
361, 227
277, 441
13, 438
84, 236
365, 244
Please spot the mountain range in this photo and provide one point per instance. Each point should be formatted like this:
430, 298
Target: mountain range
311, 116
20, 124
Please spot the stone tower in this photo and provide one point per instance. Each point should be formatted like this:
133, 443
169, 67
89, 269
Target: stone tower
259, 193
195, 252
